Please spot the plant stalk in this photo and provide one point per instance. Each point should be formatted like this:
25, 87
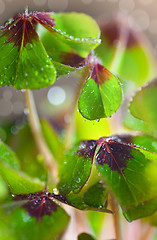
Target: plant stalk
35, 126
116, 218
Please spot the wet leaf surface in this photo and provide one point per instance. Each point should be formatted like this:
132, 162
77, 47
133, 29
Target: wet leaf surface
17, 181
76, 167
77, 34
21, 65
101, 95
38, 204
129, 172
20, 225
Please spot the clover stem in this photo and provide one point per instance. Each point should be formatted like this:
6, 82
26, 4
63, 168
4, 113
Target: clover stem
78, 224
37, 134
116, 217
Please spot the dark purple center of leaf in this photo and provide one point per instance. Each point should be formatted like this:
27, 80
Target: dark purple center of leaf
43, 18
38, 205
100, 74
113, 153
22, 28
87, 149
60, 197
73, 60
21, 33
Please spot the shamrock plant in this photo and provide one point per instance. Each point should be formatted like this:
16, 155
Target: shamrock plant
88, 167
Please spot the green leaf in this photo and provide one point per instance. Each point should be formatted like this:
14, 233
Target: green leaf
95, 195
80, 28
62, 69
153, 219
75, 33
66, 41
133, 123
19, 225
52, 140
130, 173
8, 156
24, 146
72, 39
85, 236
21, 65
76, 168
143, 106
134, 56
3, 189
91, 197
101, 95
64, 59
18, 182
142, 141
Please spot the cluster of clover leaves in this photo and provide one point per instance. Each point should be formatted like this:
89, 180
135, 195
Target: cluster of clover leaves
36, 49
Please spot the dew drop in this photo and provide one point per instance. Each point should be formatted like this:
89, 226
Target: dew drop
154, 144
56, 95
26, 111
14, 130
79, 180
55, 190
142, 19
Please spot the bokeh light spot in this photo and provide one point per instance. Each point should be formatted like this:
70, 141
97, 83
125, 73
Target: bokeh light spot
141, 18
126, 6
56, 95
